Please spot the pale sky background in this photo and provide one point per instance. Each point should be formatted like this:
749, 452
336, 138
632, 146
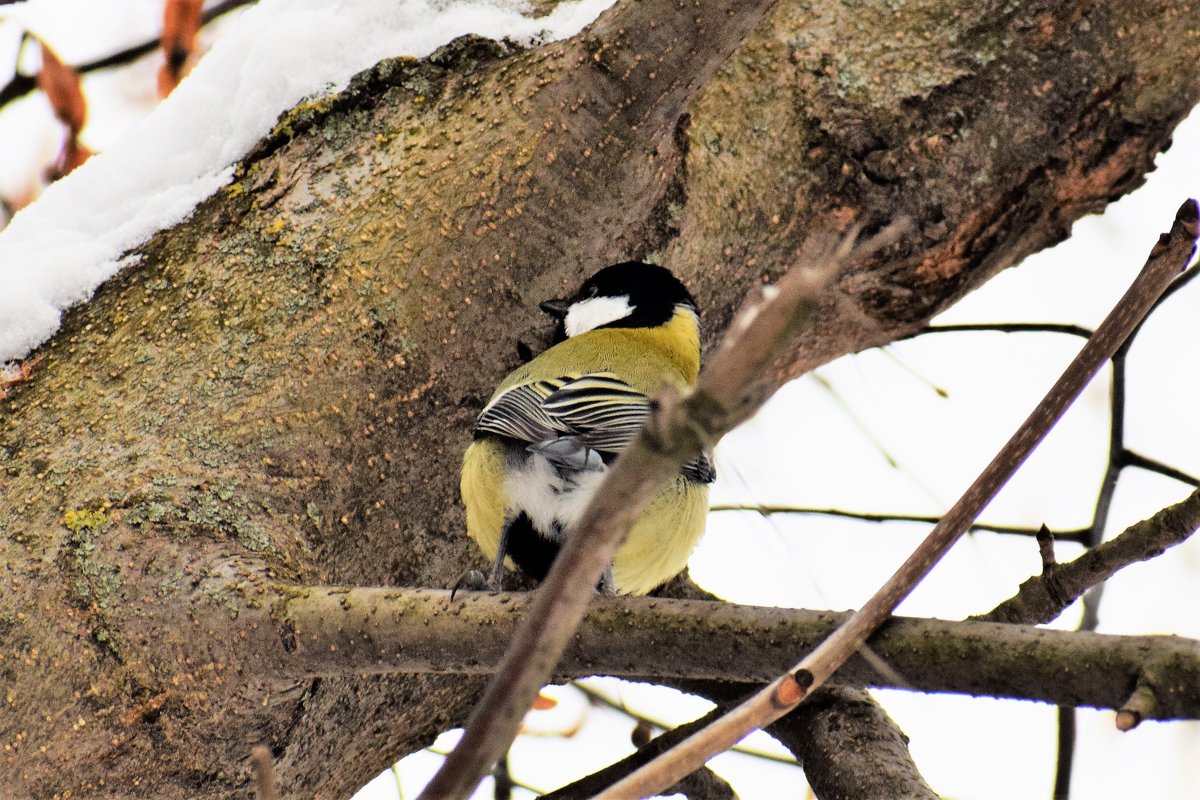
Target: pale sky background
812, 446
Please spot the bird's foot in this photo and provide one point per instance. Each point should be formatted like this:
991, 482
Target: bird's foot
472, 580
607, 586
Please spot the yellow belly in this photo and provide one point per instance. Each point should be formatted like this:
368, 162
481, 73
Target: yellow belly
656, 550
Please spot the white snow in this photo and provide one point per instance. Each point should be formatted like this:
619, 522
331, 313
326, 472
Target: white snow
57, 250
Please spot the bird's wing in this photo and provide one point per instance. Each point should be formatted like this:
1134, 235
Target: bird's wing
598, 409
518, 413
604, 411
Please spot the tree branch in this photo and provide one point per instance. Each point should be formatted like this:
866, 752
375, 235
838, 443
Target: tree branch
1067, 536
850, 748
1043, 597
1132, 459
847, 744
590, 784
352, 631
875, 763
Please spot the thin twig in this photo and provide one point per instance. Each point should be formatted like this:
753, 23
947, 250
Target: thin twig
1065, 754
1073, 535
1168, 257
1004, 327
1043, 597
655, 722
1119, 457
1132, 459
851, 748
1141, 704
590, 784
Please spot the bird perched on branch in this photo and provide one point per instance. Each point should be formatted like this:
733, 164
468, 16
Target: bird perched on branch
553, 427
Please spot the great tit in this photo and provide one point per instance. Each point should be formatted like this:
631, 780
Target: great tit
555, 425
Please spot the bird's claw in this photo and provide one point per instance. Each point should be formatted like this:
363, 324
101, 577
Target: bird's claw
471, 581
607, 586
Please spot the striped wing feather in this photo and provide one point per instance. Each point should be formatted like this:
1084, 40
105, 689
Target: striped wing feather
599, 408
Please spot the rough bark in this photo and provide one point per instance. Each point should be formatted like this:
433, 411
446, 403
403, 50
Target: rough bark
281, 388
330, 631
850, 748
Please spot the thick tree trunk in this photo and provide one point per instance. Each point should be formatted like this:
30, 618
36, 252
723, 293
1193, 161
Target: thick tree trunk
280, 390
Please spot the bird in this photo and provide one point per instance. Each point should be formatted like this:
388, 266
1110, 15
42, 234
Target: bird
554, 426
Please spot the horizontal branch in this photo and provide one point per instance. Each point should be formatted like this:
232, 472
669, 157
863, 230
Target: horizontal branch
1074, 535
1005, 327
343, 631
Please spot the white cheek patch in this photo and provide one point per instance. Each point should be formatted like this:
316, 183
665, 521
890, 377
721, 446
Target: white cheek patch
587, 315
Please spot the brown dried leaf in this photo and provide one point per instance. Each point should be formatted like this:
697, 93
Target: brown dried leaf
181, 22
61, 86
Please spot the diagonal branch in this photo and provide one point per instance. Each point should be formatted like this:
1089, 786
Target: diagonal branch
846, 743
850, 747
1169, 256
844, 740
590, 784
1119, 457
1043, 597
1131, 459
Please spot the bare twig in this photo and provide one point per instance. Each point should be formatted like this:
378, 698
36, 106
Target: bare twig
1065, 536
1132, 459
849, 746
1139, 706
588, 785
653, 722
1119, 457
1005, 327
1045, 541
1043, 597
1168, 257
1064, 761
